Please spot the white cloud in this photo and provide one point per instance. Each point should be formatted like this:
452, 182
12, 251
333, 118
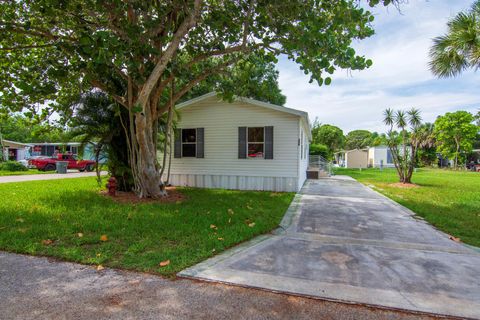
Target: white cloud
399, 77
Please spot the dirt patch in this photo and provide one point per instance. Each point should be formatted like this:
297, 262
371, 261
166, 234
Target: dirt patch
404, 185
173, 196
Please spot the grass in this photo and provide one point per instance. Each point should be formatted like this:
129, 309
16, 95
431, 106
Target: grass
449, 200
140, 236
22, 173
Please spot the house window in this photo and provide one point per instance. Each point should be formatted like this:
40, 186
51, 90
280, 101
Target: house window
255, 142
189, 142
389, 156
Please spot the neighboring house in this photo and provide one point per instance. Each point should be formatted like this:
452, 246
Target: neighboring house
357, 158
380, 156
246, 144
15, 151
49, 148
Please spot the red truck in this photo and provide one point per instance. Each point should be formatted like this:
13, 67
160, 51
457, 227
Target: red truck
49, 164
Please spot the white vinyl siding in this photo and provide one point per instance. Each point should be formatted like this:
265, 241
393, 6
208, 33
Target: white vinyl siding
302, 154
221, 121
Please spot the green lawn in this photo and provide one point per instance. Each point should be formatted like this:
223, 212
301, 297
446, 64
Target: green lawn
449, 200
22, 173
139, 236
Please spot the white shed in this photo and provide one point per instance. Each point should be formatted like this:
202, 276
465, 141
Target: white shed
380, 155
245, 144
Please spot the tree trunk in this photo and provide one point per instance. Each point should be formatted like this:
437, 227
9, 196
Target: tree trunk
455, 163
148, 181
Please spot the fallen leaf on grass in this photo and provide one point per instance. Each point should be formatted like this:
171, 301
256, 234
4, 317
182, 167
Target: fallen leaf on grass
230, 220
164, 263
251, 225
47, 242
454, 238
230, 211
213, 250
100, 267
221, 239
212, 226
80, 235
20, 220
104, 237
249, 208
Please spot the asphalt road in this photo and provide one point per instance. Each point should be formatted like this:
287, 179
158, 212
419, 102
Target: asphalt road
42, 288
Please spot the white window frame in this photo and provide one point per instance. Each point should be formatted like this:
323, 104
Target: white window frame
253, 142
195, 143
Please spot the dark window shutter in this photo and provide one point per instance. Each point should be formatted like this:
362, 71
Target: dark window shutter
242, 142
178, 144
268, 142
200, 142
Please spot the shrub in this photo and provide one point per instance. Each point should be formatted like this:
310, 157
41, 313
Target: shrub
12, 166
320, 149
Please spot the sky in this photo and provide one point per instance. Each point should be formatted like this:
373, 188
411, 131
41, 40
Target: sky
398, 79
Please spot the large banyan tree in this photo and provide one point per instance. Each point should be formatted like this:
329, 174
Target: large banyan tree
146, 55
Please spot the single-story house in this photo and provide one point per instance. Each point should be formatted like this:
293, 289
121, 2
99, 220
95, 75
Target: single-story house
47, 149
356, 158
245, 144
15, 151
380, 156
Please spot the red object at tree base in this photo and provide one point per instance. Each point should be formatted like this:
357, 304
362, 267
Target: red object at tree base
112, 186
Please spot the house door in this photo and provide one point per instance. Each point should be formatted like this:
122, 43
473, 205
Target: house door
12, 154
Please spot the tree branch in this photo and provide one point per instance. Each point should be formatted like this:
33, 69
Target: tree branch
117, 98
157, 72
192, 83
28, 47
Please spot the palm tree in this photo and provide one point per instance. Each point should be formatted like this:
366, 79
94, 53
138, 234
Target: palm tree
459, 48
402, 120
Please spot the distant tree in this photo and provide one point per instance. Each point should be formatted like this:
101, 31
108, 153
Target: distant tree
18, 127
358, 139
378, 139
426, 153
403, 145
455, 133
328, 135
321, 150
459, 48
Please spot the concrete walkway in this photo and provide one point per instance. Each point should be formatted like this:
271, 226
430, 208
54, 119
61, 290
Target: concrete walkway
343, 241
48, 176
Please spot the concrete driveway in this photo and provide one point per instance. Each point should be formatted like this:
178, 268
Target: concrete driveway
343, 241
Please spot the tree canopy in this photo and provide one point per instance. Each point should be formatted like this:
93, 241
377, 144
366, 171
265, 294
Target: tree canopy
327, 136
459, 48
358, 139
455, 133
148, 54
19, 128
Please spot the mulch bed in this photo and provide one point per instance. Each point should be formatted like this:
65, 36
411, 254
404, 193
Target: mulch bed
173, 196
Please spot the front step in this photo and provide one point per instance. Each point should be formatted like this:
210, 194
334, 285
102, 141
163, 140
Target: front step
317, 174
